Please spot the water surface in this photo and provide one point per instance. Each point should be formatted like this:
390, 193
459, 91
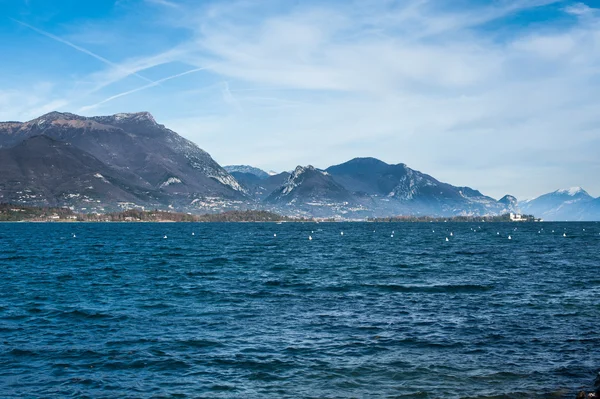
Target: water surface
117, 310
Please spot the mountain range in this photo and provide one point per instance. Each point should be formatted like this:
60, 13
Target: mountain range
128, 160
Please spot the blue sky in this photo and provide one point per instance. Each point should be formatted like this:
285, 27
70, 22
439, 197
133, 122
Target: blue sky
502, 96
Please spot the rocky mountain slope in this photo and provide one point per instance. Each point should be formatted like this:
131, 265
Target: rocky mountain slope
43, 171
139, 151
402, 190
260, 188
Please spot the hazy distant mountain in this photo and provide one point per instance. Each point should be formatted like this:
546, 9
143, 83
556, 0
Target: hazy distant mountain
137, 149
565, 204
261, 174
260, 188
510, 203
43, 171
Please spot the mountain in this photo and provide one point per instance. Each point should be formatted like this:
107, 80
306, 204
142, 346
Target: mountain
401, 190
261, 174
308, 184
260, 188
44, 172
510, 203
128, 160
140, 151
312, 192
563, 205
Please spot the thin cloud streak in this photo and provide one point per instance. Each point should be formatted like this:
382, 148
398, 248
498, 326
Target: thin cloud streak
79, 48
164, 3
153, 84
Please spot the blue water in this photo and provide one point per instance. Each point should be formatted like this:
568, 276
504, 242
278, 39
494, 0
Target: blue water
118, 311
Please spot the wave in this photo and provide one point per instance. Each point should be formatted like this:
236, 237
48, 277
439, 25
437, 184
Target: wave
433, 289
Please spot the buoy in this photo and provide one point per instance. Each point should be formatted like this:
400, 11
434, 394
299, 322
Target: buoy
341, 233
309, 238
498, 233
509, 237
392, 236
564, 234
451, 234
74, 236
165, 237
274, 235
447, 239
193, 234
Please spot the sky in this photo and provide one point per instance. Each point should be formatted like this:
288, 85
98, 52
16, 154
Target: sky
499, 95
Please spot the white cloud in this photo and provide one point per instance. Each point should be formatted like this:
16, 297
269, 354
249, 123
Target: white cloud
501, 107
579, 9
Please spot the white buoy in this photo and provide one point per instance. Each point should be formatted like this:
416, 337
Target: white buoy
392, 236
498, 233
433, 231
165, 237
509, 237
193, 234
341, 233
274, 235
564, 234
451, 234
74, 236
447, 239
309, 238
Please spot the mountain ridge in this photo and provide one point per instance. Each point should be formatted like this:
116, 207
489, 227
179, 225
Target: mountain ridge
151, 165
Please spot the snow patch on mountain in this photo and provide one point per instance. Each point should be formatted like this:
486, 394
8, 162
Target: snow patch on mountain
99, 176
170, 181
572, 191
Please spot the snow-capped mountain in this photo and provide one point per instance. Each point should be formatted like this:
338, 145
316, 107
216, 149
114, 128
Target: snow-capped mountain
565, 204
261, 174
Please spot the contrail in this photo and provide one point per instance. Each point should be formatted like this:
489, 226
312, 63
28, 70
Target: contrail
155, 83
81, 49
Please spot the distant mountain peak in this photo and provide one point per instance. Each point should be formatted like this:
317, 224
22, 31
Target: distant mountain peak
572, 191
123, 116
307, 184
247, 169
366, 161
135, 116
55, 115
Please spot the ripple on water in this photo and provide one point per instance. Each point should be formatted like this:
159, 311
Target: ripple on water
234, 312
